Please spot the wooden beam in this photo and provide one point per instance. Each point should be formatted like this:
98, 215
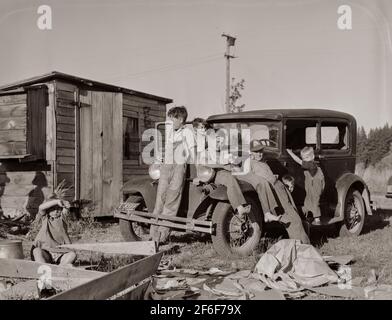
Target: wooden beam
144, 248
25, 269
134, 293
114, 282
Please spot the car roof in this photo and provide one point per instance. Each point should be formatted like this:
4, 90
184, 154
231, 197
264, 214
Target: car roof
279, 114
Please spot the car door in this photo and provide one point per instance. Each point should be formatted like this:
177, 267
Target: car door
335, 155
298, 133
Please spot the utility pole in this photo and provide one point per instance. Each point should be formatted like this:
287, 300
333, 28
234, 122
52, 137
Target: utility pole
230, 41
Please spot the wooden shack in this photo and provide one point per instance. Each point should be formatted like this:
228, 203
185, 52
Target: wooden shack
59, 127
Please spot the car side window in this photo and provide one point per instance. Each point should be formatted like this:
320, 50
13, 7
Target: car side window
334, 136
301, 133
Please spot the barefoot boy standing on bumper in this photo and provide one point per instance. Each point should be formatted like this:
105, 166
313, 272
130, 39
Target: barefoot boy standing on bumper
179, 149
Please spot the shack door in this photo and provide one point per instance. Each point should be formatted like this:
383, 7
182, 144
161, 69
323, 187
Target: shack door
101, 150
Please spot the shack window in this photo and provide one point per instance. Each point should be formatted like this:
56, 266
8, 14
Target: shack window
23, 124
131, 138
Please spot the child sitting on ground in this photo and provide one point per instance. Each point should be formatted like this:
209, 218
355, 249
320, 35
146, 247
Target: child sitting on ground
314, 182
53, 232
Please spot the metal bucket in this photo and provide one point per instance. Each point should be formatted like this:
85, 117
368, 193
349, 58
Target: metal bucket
11, 249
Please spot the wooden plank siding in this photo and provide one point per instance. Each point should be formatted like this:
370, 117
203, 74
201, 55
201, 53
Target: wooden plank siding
23, 187
65, 135
149, 112
13, 125
86, 152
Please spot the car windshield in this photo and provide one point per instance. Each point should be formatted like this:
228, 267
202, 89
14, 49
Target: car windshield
267, 133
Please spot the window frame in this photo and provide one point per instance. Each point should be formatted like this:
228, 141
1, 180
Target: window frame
132, 161
332, 152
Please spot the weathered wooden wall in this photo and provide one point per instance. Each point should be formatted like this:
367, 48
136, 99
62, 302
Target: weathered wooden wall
65, 135
101, 150
149, 112
13, 115
23, 185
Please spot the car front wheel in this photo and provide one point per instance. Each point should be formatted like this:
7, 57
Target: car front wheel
233, 235
354, 214
131, 230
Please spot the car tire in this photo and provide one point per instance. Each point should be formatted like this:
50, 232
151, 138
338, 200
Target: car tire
128, 228
223, 216
353, 204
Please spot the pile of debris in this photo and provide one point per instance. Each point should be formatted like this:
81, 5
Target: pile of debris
15, 226
288, 270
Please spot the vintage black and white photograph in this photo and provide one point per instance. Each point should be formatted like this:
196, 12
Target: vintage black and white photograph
197, 150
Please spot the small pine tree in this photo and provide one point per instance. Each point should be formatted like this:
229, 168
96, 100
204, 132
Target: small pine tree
235, 89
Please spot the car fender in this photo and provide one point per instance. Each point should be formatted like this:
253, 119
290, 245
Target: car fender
220, 193
143, 185
343, 184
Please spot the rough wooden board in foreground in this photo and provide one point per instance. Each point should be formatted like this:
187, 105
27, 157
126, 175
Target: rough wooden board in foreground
114, 282
144, 248
25, 269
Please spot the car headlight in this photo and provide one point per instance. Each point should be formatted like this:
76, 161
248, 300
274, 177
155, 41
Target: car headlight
154, 171
205, 174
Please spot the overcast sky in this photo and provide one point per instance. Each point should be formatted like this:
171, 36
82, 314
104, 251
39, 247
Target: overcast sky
290, 52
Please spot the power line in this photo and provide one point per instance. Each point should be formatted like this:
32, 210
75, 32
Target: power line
170, 67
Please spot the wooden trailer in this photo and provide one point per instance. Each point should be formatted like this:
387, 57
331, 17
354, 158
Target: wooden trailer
59, 127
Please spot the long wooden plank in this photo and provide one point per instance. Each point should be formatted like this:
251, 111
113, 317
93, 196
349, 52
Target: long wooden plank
86, 149
97, 106
117, 182
12, 135
107, 154
65, 168
25, 269
66, 119
65, 95
66, 127
13, 148
26, 177
114, 282
65, 152
51, 125
66, 136
13, 123
66, 112
65, 143
13, 99
134, 293
66, 160
145, 248
10, 111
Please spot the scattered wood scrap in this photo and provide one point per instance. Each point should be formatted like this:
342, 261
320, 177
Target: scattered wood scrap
25, 269
143, 248
114, 282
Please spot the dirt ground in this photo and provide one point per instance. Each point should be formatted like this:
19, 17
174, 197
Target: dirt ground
371, 250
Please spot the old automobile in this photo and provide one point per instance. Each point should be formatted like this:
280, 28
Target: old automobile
205, 208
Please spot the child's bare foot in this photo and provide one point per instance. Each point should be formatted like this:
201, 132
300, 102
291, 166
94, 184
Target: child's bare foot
269, 217
316, 221
242, 210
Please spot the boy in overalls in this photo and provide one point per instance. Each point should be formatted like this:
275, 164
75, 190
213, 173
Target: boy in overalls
314, 182
179, 150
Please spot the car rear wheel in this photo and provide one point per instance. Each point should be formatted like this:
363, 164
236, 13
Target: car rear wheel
354, 214
135, 231
235, 236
